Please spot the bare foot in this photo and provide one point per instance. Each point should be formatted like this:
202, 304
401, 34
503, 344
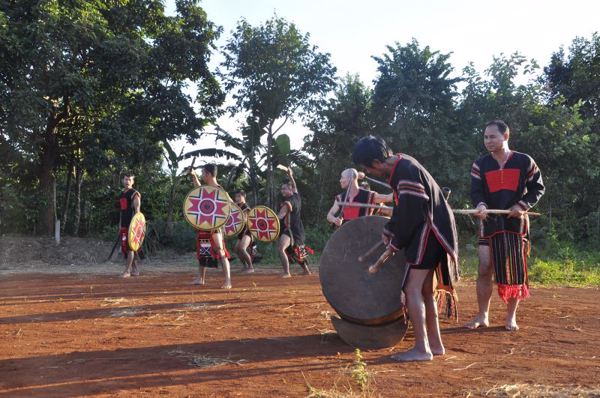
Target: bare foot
248, 271
198, 281
126, 274
306, 271
511, 325
412, 355
135, 272
480, 321
437, 350
286, 275
226, 285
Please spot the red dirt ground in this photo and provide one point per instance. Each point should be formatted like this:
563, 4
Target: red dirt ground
156, 335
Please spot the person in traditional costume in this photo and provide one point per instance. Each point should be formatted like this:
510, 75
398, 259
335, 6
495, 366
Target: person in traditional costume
503, 180
245, 246
291, 239
422, 224
210, 245
342, 211
130, 202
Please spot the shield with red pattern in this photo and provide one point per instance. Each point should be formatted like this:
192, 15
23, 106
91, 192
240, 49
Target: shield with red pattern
235, 222
207, 208
137, 232
263, 224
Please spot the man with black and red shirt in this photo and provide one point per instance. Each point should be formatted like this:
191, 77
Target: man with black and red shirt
130, 202
342, 211
503, 180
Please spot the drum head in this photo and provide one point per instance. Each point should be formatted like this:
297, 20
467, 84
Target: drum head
356, 295
235, 222
137, 232
263, 224
206, 208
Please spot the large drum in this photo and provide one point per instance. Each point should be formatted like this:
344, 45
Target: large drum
356, 295
137, 232
235, 222
207, 208
263, 224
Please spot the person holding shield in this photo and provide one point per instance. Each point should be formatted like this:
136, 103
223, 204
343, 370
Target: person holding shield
292, 231
423, 225
130, 202
342, 209
245, 244
210, 245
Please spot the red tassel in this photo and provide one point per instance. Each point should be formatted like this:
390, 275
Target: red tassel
506, 292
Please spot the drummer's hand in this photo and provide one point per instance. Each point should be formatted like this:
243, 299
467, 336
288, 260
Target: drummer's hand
385, 239
515, 212
361, 175
373, 269
191, 171
481, 212
338, 222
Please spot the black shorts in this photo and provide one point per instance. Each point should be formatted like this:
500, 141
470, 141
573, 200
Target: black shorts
434, 253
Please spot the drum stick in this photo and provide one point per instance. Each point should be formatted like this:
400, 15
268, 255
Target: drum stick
380, 261
492, 211
369, 206
370, 251
380, 183
282, 167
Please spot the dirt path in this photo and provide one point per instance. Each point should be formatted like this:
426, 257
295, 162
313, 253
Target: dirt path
67, 335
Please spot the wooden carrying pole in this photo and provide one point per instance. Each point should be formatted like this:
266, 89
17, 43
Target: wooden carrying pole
456, 211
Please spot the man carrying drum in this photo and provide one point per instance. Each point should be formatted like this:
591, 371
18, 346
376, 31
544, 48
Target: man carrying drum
422, 223
292, 231
245, 245
210, 245
342, 209
503, 180
129, 202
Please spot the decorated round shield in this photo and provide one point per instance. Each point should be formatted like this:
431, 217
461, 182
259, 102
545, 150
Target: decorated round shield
263, 224
207, 208
235, 222
137, 231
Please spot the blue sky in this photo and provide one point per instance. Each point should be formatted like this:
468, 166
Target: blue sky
353, 31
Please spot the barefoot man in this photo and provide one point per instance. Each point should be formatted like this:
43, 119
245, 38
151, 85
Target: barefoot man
339, 214
292, 229
130, 202
210, 246
423, 225
244, 245
503, 180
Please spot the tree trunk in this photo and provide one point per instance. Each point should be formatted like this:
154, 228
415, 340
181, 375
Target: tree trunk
46, 178
270, 177
171, 204
65, 206
78, 183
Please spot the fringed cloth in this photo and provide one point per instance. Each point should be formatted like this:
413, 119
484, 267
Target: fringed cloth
298, 254
206, 251
445, 295
508, 253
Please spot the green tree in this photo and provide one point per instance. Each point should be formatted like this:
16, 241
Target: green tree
414, 109
274, 75
100, 84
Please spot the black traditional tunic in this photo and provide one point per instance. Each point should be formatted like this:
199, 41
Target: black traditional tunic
127, 213
364, 196
518, 182
292, 223
420, 209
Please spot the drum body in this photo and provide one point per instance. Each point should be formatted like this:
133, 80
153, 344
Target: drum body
356, 295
